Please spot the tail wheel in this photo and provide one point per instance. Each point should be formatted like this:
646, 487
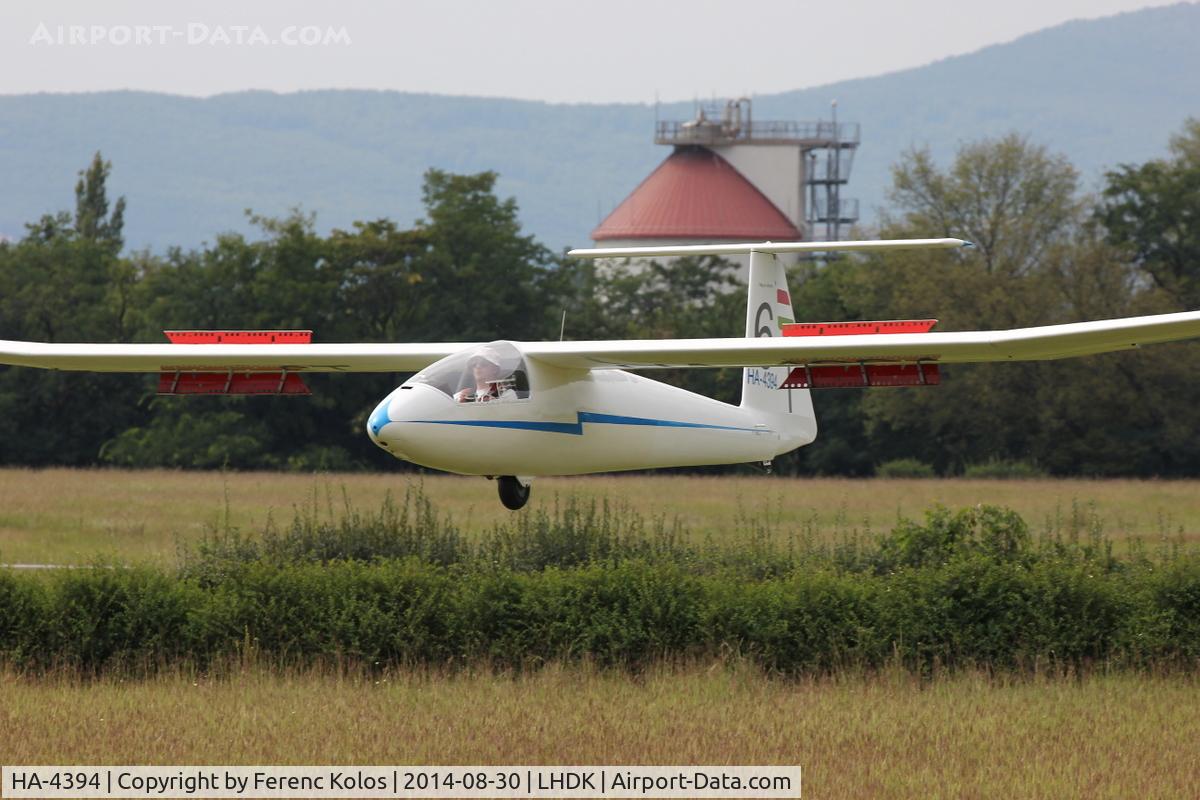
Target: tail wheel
513, 493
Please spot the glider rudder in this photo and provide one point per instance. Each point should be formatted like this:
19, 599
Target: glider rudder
768, 309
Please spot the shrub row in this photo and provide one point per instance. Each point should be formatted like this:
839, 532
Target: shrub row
995, 468
973, 609
574, 534
404, 585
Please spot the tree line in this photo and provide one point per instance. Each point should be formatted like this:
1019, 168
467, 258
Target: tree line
1046, 253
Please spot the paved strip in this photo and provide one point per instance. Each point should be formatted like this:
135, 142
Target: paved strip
54, 566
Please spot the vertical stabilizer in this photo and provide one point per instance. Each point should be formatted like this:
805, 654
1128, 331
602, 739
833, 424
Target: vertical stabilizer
768, 306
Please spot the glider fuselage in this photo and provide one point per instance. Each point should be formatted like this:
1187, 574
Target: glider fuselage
570, 422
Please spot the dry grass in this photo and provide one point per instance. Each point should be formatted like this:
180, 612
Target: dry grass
889, 735
70, 516
960, 736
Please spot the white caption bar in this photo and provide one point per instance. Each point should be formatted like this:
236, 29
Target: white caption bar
369, 782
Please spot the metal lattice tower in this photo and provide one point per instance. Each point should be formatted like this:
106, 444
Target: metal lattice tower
827, 170
826, 155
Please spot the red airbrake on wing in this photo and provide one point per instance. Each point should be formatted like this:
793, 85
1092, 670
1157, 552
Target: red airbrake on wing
861, 375
230, 381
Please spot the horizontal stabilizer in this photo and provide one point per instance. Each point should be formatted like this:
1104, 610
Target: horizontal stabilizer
765, 247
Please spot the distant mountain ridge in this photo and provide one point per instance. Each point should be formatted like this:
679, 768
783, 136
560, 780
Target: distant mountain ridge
1103, 92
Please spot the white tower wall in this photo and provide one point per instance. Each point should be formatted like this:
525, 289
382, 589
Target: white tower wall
775, 170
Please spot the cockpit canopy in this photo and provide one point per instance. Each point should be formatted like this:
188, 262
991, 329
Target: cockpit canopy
493, 371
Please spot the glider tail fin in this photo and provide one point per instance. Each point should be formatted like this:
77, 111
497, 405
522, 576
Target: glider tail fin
768, 307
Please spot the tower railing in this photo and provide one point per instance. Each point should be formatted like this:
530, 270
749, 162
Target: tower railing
713, 132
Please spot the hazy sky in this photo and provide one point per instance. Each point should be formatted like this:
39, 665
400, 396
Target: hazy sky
555, 50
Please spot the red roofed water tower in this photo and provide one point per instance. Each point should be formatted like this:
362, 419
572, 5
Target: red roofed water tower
730, 178
695, 195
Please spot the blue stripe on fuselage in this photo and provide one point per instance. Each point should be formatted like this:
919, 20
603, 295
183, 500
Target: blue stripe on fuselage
614, 419
576, 428
553, 427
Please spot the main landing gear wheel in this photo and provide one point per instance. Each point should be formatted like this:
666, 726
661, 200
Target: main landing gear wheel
513, 493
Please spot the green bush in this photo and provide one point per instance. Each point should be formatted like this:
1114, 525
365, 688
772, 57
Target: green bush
323, 458
970, 587
1021, 470
972, 610
22, 616
397, 530
110, 615
190, 439
1000, 534
905, 468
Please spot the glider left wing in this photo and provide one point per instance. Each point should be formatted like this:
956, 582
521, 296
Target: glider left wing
224, 357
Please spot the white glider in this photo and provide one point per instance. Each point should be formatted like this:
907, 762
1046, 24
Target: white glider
517, 410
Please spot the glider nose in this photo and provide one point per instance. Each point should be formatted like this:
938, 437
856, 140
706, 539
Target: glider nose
391, 427
379, 417
381, 425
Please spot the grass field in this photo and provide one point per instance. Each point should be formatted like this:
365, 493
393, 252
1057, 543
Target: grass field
887, 734
70, 516
961, 736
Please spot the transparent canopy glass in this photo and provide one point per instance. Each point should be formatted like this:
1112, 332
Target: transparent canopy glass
493, 371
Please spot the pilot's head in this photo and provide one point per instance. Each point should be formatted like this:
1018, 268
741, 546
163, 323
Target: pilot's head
485, 367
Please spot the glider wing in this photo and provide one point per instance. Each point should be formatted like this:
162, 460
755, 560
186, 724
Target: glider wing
1021, 344
224, 357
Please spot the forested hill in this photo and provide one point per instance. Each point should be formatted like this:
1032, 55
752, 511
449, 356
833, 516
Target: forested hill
1102, 92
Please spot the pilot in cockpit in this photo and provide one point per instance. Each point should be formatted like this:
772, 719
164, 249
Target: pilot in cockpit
489, 381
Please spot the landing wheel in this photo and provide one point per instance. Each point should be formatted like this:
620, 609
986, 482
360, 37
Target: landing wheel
513, 493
